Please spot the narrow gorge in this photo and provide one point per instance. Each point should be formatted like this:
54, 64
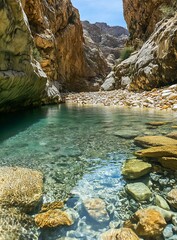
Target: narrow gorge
88, 120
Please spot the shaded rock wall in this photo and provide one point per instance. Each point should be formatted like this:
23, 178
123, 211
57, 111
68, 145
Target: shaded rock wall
22, 81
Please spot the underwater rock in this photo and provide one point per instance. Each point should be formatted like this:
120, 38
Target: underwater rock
169, 162
135, 168
172, 135
50, 206
96, 208
127, 134
156, 124
172, 198
152, 141
160, 202
20, 187
165, 213
120, 234
53, 218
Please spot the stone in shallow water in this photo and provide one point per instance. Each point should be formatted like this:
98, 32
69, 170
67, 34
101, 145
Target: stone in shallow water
147, 223
135, 168
16, 225
20, 187
157, 152
172, 135
169, 162
152, 141
127, 134
160, 201
49, 206
53, 218
96, 208
165, 213
172, 198
120, 234
139, 191
156, 124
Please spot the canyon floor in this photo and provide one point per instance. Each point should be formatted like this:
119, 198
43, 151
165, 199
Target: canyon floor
162, 98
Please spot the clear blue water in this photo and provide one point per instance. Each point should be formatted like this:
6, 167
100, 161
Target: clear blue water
80, 153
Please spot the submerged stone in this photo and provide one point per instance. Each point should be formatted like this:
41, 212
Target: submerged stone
135, 168
156, 124
169, 162
96, 208
139, 191
160, 201
165, 213
172, 198
53, 218
148, 141
127, 134
120, 234
49, 206
172, 135
20, 187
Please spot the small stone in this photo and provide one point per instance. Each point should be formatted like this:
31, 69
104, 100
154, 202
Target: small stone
135, 168
172, 198
119, 234
166, 214
139, 191
160, 201
169, 162
152, 141
156, 124
127, 134
172, 135
49, 206
96, 208
168, 231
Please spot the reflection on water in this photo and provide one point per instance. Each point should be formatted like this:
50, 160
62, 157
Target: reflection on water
80, 151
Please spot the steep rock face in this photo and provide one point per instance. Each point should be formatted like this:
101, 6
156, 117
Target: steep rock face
58, 35
22, 81
108, 39
141, 17
155, 64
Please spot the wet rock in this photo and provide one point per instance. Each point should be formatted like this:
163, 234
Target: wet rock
172, 135
53, 218
147, 223
120, 234
152, 141
96, 209
139, 191
156, 152
20, 187
156, 124
172, 198
166, 214
127, 134
135, 168
160, 202
169, 162
168, 231
49, 206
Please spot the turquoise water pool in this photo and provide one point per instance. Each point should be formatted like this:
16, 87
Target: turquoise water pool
80, 150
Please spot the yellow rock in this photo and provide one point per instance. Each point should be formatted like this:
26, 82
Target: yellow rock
148, 141
52, 218
49, 206
156, 124
169, 162
172, 198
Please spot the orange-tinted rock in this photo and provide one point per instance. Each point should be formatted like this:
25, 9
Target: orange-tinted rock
52, 218
49, 206
147, 223
172, 198
120, 234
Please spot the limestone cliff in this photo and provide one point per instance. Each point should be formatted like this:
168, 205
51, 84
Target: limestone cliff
110, 40
155, 63
22, 81
42, 50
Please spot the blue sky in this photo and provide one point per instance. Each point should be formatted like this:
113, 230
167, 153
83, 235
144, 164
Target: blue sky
109, 11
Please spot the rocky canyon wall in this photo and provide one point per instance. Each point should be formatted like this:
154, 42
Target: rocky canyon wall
153, 31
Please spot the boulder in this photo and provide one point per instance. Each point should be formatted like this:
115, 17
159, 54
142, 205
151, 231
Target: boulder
152, 141
120, 234
53, 218
158, 152
172, 198
96, 208
20, 187
139, 191
169, 162
147, 223
135, 168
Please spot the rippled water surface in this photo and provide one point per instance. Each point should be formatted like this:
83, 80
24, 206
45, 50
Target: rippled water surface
80, 152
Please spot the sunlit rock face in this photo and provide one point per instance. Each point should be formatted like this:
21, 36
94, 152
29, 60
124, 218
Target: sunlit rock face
110, 40
22, 81
155, 64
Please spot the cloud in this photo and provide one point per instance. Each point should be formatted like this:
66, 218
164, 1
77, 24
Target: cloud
101, 11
